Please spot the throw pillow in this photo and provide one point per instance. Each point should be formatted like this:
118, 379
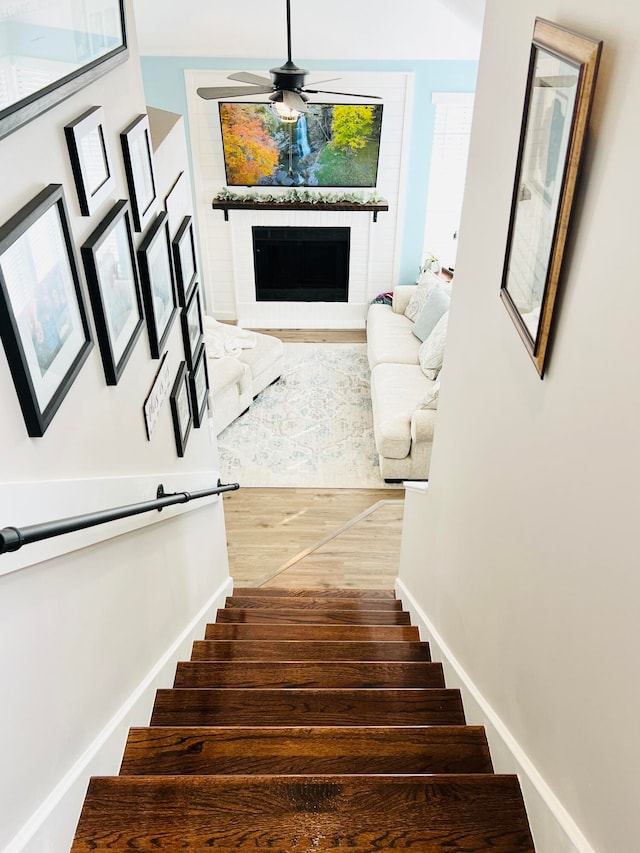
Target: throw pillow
418, 298
436, 304
431, 352
430, 399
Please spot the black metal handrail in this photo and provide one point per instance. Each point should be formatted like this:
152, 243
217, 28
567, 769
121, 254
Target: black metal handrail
13, 538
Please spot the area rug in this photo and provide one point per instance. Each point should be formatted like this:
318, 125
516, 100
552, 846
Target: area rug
312, 428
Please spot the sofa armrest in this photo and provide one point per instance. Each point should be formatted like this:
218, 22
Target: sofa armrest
401, 296
423, 423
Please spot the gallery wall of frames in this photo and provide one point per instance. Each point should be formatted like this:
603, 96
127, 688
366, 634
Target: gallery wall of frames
141, 272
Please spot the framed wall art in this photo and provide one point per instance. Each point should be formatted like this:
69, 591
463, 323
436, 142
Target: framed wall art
156, 277
192, 327
181, 409
184, 260
177, 203
156, 396
54, 56
199, 387
560, 86
114, 288
138, 163
90, 159
45, 328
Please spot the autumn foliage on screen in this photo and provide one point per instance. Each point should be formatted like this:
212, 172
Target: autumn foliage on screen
333, 145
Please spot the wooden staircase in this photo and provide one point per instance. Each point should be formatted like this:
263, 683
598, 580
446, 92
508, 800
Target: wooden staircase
307, 721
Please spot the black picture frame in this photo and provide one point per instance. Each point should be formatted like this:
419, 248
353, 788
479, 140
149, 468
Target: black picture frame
45, 327
181, 409
192, 327
110, 266
158, 287
199, 387
184, 260
89, 155
96, 48
137, 152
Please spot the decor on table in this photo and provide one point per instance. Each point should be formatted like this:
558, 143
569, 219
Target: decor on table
156, 276
184, 259
199, 387
45, 328
138, 162
192, 330
90, 159
181, 409
157, 395
560, 87
114, 288
94, 44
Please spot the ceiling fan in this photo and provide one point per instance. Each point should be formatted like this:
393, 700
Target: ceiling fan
286, 88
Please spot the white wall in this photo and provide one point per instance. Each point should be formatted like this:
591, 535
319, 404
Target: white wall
87, 635
523, 555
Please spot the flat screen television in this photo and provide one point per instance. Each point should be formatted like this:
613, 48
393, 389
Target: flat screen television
333, 145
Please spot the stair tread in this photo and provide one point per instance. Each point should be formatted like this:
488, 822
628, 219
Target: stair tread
307, 707
292, 650
285, 674
430, 814
332, 592
315, 617
302, 602
235, 750
284, 631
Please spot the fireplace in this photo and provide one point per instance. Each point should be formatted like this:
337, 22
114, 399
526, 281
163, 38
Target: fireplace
301, 264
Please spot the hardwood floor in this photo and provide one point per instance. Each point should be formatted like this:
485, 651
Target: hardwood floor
314, 537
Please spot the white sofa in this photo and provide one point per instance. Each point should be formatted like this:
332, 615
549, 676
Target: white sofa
404, 398
236, 380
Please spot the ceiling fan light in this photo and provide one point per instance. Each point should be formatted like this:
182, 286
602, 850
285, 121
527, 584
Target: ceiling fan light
284, 112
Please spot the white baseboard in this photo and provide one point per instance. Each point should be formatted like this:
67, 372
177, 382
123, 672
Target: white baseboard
51, 827
553, 828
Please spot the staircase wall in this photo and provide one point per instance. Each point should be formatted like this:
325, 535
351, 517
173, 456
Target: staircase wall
523, 554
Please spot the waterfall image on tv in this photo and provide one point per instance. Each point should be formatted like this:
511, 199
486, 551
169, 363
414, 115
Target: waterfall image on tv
333, 145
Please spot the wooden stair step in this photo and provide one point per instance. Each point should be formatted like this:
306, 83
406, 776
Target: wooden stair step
316, 617
168, 751
307, 707
286, 675
294, 650
430, 814
252, 631
320, 605
315, 593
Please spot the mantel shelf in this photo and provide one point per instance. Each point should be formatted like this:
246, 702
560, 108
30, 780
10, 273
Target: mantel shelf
342, 206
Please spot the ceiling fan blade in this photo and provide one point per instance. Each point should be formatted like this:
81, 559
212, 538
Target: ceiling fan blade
318, 82
213, 92
347, 94
247, 77
293, 101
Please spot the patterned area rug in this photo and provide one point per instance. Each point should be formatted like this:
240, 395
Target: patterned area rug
312, 428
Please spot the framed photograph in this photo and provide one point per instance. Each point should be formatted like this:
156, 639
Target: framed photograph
156, 277
80, 42
138, 163
90, 160
181, 409
184, 260
114, 288
192, 327
199, 387
157, 395
178, 203
560, 87
45, 329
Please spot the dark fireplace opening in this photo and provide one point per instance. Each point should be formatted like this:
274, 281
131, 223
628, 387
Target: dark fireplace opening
301, 264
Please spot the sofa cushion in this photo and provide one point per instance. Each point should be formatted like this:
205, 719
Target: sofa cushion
390, 338
436, 304
396, 391
426, 283
432, 350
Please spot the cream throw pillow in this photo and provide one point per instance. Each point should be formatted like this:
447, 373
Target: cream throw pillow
430, 399
431, 352
426, 283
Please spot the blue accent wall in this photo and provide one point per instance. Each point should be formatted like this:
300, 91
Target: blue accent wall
163, 78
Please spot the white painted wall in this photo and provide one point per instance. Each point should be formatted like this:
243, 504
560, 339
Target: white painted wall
523, 554
87, 635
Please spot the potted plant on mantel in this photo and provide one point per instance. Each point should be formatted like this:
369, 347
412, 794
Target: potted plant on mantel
295, 199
